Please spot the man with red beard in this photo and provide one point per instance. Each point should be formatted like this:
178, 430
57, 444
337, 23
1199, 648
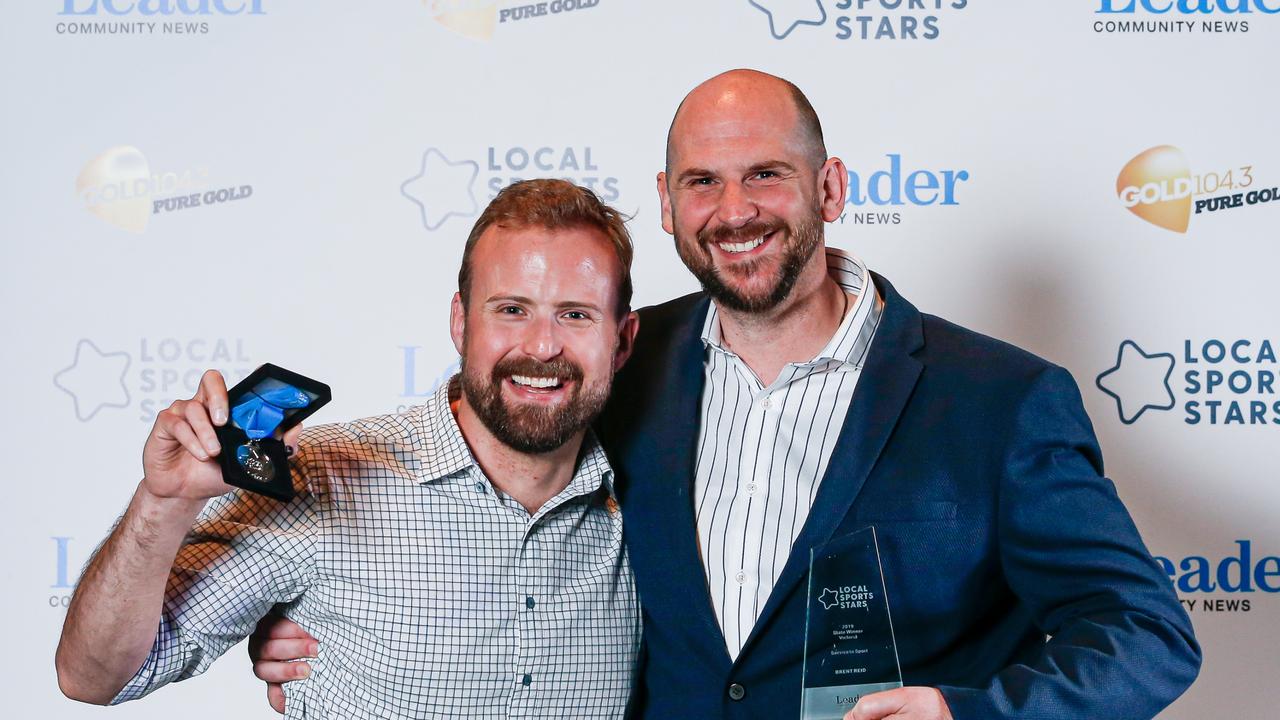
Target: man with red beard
449, 558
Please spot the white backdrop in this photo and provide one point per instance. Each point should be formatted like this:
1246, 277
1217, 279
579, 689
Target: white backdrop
339, 152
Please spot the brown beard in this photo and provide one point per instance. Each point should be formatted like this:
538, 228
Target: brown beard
803, 240
532, 430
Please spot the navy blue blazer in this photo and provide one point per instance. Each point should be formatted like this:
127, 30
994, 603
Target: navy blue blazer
979, 468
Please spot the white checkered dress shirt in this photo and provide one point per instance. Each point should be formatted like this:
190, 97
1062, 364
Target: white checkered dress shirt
762, 451
432, 594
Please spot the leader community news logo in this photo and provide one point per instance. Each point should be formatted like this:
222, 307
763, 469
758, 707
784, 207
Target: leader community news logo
145, 376
1180, 17
856, 19
132, 18
121, 187
1225, 580
481, 19
1158, 186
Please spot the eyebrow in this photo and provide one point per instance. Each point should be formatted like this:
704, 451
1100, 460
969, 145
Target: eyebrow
693, 172
771, 165
758, 167
529, 301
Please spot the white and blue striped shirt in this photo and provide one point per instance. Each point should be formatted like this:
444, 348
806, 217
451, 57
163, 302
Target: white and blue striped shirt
762, 452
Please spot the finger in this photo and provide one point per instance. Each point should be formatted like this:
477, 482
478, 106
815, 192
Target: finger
275, 696
290, 649
213, 393
291, 437
286, 628
174, 424
281, 672
198, 418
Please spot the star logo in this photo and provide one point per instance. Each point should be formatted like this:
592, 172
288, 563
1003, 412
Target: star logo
442, 189
1138, 381
786, 15
829, 598
94, 380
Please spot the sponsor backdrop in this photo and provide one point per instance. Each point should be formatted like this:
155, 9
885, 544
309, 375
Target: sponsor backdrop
219, 183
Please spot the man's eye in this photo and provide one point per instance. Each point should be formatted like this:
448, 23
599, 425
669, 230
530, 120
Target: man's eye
766, 174
511, 310
576, 315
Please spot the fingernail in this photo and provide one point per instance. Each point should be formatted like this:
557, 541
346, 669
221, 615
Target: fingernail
315, 649
304, 670
220, 415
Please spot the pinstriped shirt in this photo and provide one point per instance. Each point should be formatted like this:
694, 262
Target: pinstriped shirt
762, 451
433, 594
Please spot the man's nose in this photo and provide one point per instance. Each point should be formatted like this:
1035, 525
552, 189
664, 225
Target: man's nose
737, 208
542, 339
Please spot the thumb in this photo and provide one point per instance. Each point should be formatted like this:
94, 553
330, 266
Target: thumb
878, 705
275, 696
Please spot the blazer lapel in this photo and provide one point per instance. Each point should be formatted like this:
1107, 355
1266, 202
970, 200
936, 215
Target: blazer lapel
658, 509
883, 390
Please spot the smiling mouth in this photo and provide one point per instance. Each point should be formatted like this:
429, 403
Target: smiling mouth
535, 383
737, 248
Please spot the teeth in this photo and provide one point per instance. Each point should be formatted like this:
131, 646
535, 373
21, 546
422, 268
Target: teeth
535, 382
742, 246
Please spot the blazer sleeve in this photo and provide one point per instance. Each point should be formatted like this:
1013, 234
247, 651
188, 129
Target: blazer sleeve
1120, 644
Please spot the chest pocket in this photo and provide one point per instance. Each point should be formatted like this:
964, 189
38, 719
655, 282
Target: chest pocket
907, 510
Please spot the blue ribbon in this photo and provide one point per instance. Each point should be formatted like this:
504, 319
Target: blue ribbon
263, 410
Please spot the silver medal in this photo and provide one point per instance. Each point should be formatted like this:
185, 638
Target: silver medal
255, 462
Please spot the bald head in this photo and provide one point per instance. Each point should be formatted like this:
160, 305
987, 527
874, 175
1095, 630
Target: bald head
742, 93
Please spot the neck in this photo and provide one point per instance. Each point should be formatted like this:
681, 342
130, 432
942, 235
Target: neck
794, 331
531, 479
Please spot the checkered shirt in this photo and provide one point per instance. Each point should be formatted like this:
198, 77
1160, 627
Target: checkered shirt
432, 594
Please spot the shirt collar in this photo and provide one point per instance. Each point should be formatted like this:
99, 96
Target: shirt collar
445, 454
849, 344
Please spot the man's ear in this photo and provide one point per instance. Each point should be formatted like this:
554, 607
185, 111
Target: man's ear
665, 198
833, 187
457, 321
627, 330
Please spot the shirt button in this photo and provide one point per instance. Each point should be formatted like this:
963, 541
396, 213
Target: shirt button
737, 692
741, 577
751, 488
528, 602
527, 680
479, 486
767, 403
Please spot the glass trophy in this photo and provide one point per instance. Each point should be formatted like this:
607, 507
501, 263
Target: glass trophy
263, 406
849, 648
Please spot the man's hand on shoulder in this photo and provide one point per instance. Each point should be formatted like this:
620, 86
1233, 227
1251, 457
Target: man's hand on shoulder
908, 703
277, 648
